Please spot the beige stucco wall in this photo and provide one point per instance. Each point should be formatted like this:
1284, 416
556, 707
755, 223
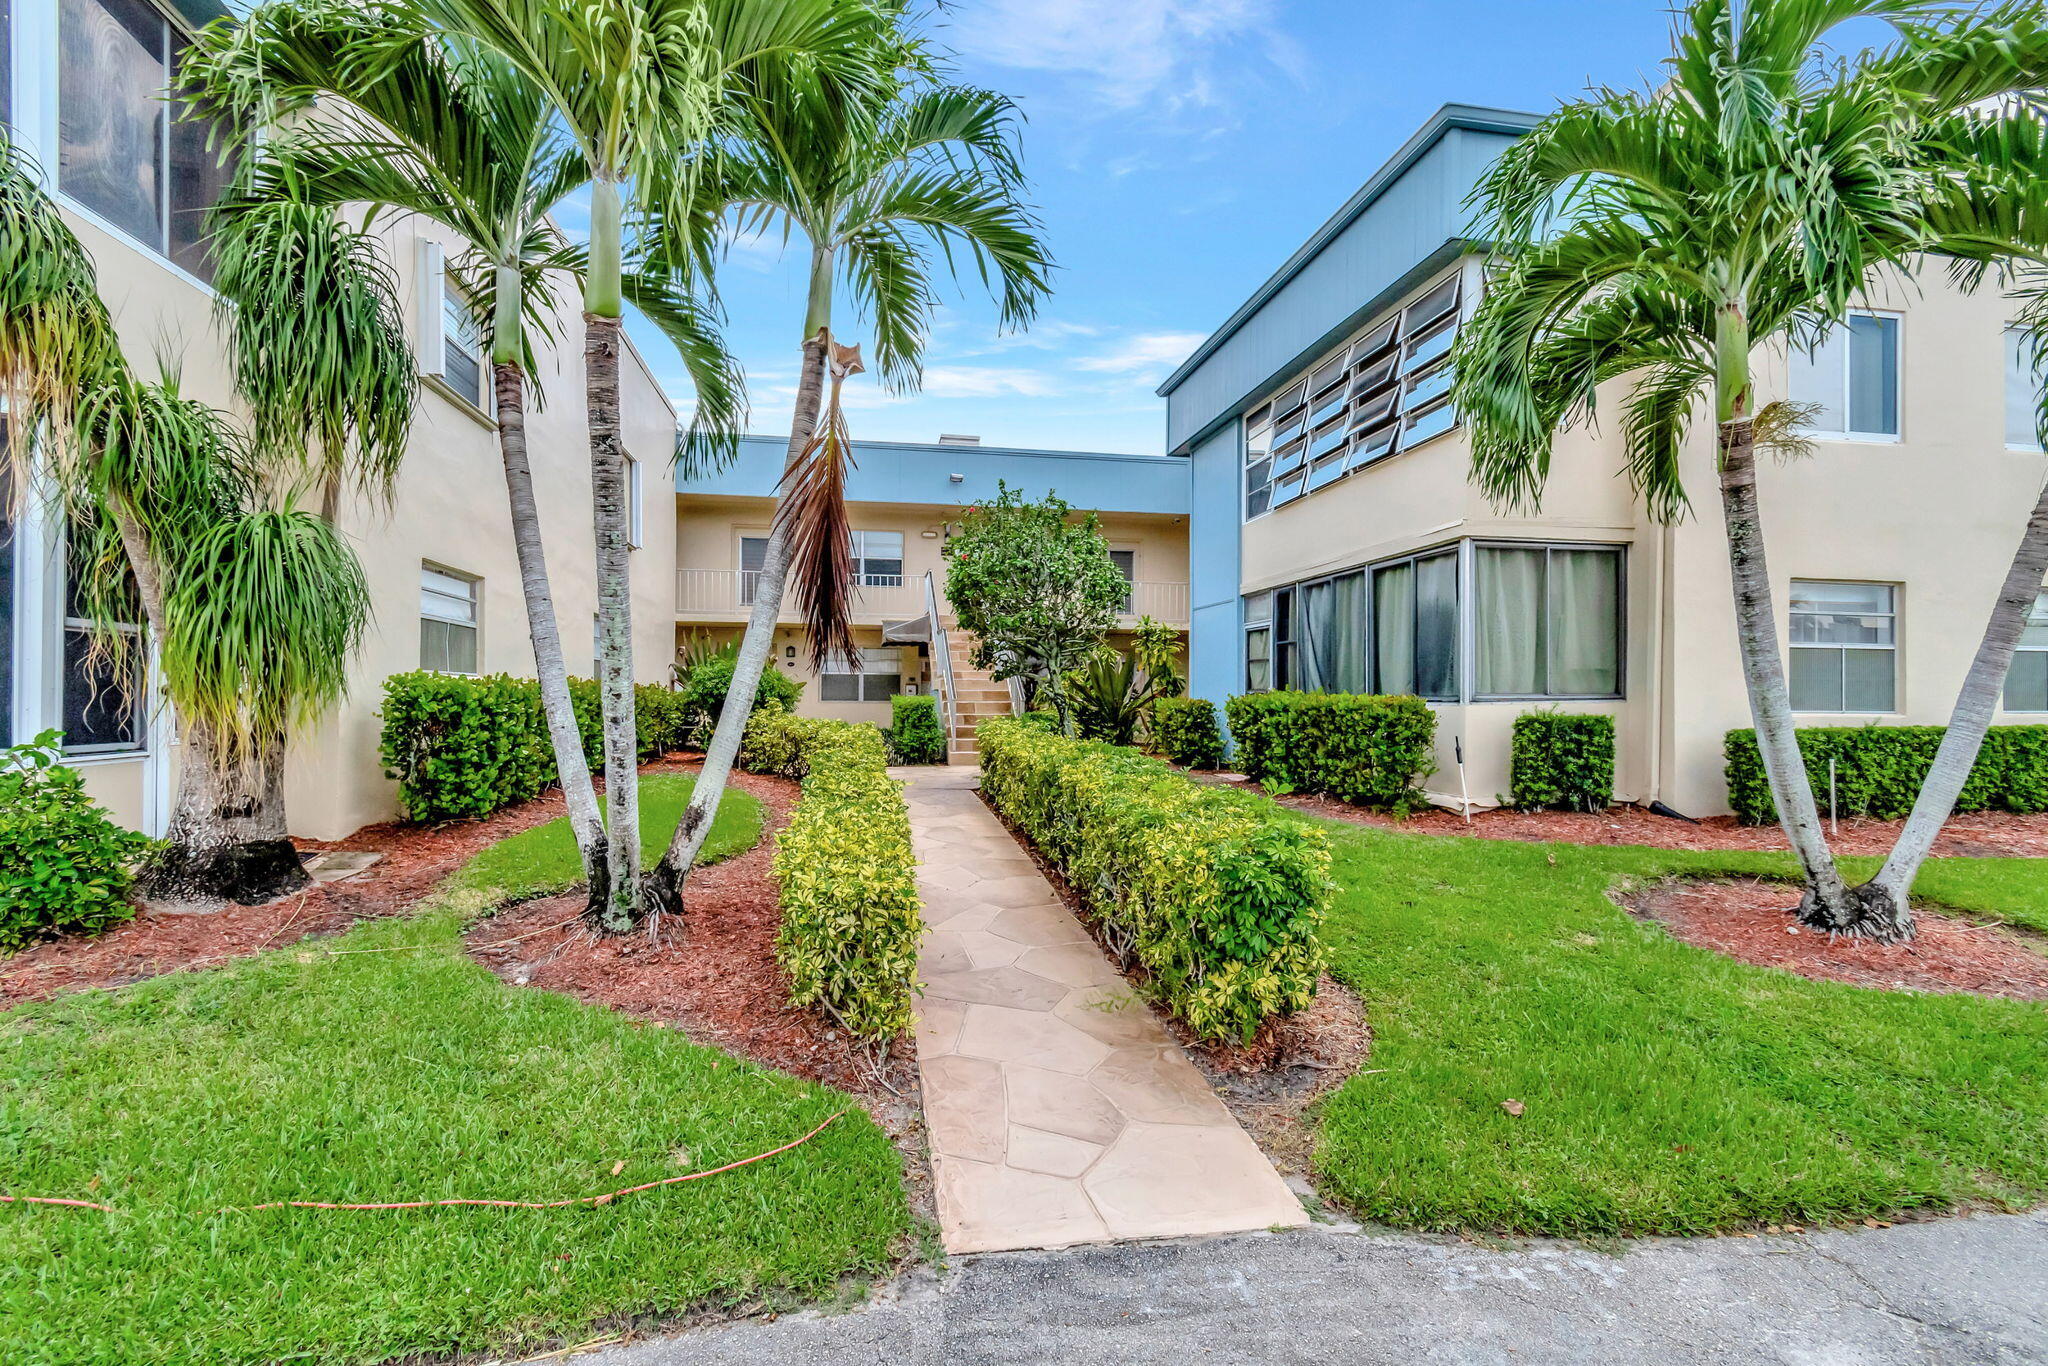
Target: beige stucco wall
448, 507
1938, 512
709, 530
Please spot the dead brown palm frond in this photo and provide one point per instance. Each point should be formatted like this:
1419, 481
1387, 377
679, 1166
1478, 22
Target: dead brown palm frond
814, 511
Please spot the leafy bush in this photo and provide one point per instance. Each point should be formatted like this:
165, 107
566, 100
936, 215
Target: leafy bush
1374, 751
915, 734
1879, 769
464, 747
848, 878
1562, 761
1111, 697
1217, 894
1187, 732
65, 867
704, 688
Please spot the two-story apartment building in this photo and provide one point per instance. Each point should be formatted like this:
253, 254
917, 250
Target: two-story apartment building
1337, 542
904, 499
81, 89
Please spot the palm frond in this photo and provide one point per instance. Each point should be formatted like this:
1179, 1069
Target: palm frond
317, 340
812, 515
55, 335
711, 440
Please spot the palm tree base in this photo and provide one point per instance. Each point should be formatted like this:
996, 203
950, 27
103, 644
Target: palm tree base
1872, 912
248, 874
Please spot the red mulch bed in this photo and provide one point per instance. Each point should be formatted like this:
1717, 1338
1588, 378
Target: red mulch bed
1978, 834
1751, 921
415, 859
713, 974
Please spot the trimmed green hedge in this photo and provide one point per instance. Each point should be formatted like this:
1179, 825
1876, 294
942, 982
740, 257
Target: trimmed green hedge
848, 877
1562, 761
915, 734
1370, 750
1186, 731
1879, 769
463, 747
1216, 893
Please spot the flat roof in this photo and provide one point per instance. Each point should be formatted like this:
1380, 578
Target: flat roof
1478, 118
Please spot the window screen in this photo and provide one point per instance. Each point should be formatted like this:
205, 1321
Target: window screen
1548, 622
448, 621
124, 150
1844, 646
2026, 684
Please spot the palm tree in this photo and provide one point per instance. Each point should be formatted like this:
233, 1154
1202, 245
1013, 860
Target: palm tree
253, 611
928, 171
412, 124
1665, 237
635, 86
2003, 209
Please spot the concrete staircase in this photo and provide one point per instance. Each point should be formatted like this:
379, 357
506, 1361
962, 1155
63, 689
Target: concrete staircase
980, 698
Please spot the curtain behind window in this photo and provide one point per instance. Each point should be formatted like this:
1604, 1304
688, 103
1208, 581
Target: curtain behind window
1510, 621
1393, 610
1585, 604
1436, 626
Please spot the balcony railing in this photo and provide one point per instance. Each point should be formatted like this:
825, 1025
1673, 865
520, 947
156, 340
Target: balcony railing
730, 592
727, 593
1163, 602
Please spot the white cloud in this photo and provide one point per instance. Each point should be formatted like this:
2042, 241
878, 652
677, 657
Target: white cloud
1148, 353
1164, 54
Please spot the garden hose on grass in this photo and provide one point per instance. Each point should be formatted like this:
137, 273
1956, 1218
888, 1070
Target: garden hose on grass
591, 1200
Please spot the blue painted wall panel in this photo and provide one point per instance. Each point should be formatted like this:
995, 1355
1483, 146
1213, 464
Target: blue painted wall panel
1213, 572
918, 473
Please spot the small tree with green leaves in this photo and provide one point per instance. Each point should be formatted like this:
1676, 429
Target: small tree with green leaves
1036, 588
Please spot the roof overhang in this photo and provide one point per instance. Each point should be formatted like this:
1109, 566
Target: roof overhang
1452, 116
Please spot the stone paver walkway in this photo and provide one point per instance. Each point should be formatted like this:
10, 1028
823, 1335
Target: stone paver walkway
1060, 1112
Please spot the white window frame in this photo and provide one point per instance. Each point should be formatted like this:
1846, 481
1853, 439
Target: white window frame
475, 623
2040, 379
1894, 591
881, 662
1849, 373
636, 525
859, 550
2037, 614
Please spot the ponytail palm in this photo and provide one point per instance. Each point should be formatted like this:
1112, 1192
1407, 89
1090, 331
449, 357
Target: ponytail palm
418, 123
924, 177
1660, 239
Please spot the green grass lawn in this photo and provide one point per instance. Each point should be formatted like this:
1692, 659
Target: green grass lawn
385, 1065
542, 861
1668, 1089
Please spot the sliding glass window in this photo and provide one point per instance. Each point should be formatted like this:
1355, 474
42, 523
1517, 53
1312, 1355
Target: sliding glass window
1548, 622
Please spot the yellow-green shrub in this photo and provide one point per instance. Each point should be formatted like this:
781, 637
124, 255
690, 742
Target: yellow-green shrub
848, 878
1217, 894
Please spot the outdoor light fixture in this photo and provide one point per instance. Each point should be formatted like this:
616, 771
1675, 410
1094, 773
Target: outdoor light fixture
957, 478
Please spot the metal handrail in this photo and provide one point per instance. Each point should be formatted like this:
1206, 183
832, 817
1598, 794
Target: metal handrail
943, 649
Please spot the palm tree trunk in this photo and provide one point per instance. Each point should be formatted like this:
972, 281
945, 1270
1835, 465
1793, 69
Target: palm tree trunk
665, 884
603, 334
1885, 896
571, 767
1827, 902
227, 837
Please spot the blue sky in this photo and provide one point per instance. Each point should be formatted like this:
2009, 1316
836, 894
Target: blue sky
1179, 150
